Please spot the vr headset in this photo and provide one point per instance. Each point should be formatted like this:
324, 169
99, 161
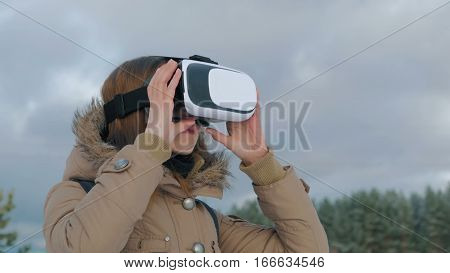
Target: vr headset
206, 90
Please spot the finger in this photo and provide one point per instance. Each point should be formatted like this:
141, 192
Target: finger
257, 99
166, 71
232, 126
174, 81
229, 128
257, 114
218, 136
153, 82
183, 125
151, 88
157, 75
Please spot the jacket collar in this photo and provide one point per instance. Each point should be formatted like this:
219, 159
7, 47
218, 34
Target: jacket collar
207, 178
171, 185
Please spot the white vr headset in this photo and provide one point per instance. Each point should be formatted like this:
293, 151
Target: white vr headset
206, 90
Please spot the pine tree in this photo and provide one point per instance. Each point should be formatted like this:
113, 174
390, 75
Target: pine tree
417, 204
399, 224
327, 215
436, 219
8, 238
446, 213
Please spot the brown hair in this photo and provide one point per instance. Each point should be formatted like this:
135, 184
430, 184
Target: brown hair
128, 76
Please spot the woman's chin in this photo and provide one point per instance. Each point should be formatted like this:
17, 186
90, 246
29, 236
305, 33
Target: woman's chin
183, 150
185, 144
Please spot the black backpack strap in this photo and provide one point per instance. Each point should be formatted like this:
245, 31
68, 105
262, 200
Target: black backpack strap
87, 185
213, 215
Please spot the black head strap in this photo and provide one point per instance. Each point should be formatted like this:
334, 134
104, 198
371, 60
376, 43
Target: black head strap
123, 104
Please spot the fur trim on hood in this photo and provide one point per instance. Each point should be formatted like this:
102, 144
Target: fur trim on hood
210, 168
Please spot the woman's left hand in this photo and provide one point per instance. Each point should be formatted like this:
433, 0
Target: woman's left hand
245, 139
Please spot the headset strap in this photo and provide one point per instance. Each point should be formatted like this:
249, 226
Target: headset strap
124, 104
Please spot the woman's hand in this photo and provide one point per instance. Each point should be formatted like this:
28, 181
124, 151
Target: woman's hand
161, 97
245, 139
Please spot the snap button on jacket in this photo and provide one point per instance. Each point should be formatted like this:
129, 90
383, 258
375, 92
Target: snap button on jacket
137, 206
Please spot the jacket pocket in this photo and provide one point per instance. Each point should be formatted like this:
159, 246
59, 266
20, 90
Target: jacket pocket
154, 243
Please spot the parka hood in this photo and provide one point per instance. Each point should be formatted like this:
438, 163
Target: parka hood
90, 152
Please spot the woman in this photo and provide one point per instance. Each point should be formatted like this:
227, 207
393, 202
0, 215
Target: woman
148, 171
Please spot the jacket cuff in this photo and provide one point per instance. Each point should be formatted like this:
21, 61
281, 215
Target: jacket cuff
159, 149
265, 170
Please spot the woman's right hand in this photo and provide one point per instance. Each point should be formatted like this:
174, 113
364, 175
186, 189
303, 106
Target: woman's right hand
161, 93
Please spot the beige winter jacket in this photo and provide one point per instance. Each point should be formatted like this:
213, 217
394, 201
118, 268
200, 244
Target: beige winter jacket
138, 207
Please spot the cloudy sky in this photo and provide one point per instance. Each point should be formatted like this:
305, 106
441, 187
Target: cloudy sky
382, 119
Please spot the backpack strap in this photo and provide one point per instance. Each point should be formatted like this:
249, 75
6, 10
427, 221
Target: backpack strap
87, 185
213, 215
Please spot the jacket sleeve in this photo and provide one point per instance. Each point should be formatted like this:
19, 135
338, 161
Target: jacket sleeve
103, 219
283, 198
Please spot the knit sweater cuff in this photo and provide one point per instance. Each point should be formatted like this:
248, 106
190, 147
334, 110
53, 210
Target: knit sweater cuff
155, 145
265, 170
